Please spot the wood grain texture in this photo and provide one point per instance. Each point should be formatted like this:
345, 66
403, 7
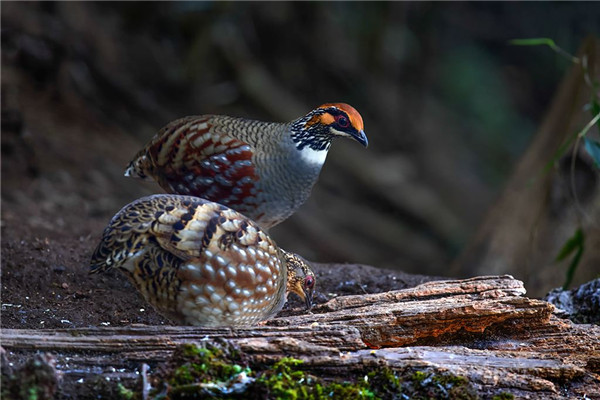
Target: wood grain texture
481, 328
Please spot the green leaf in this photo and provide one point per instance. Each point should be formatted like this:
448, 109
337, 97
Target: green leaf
589, 125
533, 42
574, 242
567, 143
572, 268
544, 42
593, 149
595, 107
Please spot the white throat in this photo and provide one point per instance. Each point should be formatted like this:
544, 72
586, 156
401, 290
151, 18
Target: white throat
313, 157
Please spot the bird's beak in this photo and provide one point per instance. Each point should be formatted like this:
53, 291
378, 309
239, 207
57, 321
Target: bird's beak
308, 298
361, 138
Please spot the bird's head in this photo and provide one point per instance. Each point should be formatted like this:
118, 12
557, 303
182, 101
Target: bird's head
300, 278
316, 129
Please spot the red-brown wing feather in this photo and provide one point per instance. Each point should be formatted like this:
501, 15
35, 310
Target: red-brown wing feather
189, 158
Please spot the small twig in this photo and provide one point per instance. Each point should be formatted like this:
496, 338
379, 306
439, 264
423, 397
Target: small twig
586, 71
580, 135
547, 42
145, 384
589, 125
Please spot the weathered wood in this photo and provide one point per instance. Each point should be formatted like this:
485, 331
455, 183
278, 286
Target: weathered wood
481, 328
431, 311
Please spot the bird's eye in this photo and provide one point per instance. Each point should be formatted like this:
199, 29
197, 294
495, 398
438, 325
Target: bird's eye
309, 282
342, 121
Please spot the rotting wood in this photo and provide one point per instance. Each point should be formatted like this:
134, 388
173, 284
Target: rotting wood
431, 311
481, 328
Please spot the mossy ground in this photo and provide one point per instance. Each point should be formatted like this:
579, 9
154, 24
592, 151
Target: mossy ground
503, 396
218, 372
35, 380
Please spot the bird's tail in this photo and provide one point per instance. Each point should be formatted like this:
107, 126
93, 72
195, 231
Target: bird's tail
102, 260
109, 254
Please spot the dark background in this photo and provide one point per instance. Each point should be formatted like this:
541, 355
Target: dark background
449, 108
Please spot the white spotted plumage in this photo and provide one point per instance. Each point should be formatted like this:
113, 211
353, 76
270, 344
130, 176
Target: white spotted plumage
200, 273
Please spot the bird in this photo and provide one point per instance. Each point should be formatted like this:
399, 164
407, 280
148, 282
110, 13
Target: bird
264, 170
201, 263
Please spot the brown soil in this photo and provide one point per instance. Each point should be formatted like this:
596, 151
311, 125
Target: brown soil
60, 187
58, 194
63, 157
46, 284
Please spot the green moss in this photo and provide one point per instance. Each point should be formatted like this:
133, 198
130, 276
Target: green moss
503, 396
32, 393
431, 385
125, 393
217, 372
192, 350
348, 390
183, 375
385, 382
284, 381
200, 372
36, 379
108, 389
419, 376
202, 365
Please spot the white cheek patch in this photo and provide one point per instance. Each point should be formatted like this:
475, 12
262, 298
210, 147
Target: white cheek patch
313, 157
335, 132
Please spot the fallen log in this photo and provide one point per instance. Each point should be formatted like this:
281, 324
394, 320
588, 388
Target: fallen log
482, 328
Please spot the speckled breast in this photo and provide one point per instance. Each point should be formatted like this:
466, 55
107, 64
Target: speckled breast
196, 261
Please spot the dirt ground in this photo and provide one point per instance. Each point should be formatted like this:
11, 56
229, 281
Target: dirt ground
46, 284
46, 281
59, 189
63, 157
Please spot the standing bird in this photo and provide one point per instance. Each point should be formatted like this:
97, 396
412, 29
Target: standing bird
265, 170
201, 263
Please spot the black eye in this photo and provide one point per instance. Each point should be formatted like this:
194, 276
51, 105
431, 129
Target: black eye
309, 282
342, 121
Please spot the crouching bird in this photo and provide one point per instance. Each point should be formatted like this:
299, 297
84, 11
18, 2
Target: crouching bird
201, 263
265, 170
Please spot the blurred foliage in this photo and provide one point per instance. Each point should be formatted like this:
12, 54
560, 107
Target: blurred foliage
473, 84
593, 148
575, 245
